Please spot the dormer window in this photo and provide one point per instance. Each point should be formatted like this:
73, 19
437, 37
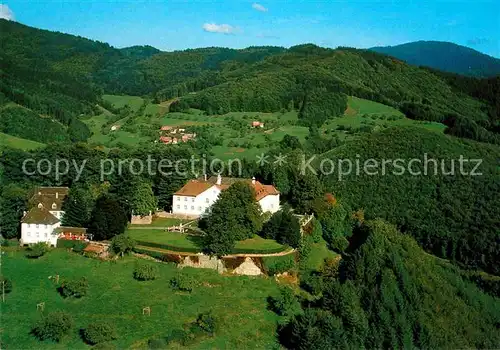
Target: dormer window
54, 205
40, 205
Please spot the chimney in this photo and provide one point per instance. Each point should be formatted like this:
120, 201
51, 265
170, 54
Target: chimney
57, 195
253, 180
219, 179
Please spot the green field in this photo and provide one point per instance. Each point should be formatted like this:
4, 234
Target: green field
238, 303
319, 252
183, 242
361, 116
19, 143
119, 101
177, 240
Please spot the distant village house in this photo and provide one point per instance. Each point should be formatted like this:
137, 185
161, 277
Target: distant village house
257, 124
167, 135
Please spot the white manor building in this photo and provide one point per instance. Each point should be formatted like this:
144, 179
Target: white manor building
197, 196
39, 224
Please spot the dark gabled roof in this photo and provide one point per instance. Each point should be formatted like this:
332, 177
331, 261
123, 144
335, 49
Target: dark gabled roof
48, 196
39, 216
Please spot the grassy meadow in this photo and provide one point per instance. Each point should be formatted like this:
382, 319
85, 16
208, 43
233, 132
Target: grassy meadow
19, 143
238, 303
142, 127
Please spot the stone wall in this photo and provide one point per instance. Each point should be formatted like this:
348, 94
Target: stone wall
141, 220
164, 214
247, 266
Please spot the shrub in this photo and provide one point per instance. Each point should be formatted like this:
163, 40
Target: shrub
179, 336
79, 246
206, 322
158, 343
182, 282
122, 244
53, 326
285, 303
145, 272
278, 264
99, 332
76, 288
37, 250
339, 243
317, 231
14, 242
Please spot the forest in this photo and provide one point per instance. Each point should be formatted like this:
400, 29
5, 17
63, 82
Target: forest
72, 72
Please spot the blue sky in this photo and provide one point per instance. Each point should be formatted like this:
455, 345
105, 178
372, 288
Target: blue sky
171, 25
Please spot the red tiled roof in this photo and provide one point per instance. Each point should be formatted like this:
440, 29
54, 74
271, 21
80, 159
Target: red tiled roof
196, 187
193, 188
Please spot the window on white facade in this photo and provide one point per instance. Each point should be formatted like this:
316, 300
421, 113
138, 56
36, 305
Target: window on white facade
29, 234
185, 207
178, 198
178, 207
272, 205
192, 207
206, 200
46, 234
192, 200
199, 208
185, 199
38, 234
37, 225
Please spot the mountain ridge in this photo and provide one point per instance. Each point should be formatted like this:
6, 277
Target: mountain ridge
445, 56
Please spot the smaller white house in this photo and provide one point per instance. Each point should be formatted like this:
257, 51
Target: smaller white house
39, 224
197, 196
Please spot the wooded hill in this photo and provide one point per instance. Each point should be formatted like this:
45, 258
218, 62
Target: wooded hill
63, 76
388, 293
445, 56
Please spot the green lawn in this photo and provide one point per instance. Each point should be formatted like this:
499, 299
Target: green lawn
181, 241
238, 303
319, 252
17, 142
258, 243
174, 239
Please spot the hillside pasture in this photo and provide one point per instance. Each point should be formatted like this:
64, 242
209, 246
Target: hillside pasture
120, 101
238, 303
19, 143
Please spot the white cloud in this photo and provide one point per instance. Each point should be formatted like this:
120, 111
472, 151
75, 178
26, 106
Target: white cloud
6, 12
259, 7
219, 28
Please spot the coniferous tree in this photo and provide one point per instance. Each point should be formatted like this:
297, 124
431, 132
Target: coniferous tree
108, 219
78, 207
